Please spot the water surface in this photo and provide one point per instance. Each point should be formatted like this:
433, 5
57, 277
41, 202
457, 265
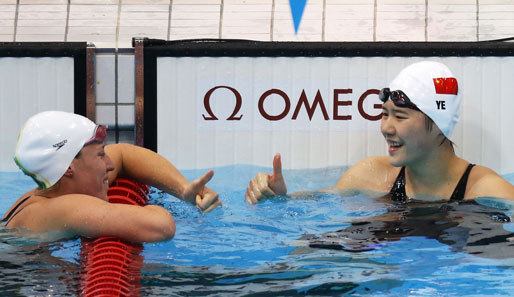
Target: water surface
324, 245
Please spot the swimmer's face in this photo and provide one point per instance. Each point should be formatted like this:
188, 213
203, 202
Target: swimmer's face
406, 135
90, 171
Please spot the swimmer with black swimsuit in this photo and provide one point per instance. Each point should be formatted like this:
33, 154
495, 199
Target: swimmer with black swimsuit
11, 214
398, 190
422, 163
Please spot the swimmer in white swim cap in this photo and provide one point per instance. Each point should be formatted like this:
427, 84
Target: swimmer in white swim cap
65, 154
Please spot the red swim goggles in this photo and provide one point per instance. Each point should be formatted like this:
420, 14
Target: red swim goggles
99, 135
398, 97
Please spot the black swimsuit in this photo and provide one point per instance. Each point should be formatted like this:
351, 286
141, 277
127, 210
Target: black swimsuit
398, 190
12, 213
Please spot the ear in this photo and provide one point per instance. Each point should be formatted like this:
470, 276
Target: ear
71, 169
69, 172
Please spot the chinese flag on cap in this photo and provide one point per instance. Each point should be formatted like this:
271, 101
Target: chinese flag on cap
446, 86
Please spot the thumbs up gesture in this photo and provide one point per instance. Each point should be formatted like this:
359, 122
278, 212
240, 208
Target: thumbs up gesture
200, 195
267, 185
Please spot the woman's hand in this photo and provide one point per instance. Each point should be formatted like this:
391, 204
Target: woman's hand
267, 185
200, 195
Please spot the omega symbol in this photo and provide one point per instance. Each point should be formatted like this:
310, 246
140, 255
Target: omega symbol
207, 105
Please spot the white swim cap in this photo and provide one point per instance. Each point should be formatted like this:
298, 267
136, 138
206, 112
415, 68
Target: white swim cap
49, 142
434, 90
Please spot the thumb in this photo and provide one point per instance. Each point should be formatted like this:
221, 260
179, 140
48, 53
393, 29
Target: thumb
277, 167
198, 184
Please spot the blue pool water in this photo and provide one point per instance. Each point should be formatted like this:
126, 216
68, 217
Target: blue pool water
323, 245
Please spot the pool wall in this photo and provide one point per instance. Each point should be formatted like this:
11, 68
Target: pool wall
35, 77
483, 135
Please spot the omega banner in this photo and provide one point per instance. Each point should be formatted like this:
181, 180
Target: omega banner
316, 111
303, 109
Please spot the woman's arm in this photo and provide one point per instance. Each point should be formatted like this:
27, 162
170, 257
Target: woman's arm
370, 176
152, 169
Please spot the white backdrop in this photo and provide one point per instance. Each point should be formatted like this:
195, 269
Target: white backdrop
28, 86
484, 134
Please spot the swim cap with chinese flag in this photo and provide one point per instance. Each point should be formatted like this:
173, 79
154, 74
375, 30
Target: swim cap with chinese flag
435, 91
446, 85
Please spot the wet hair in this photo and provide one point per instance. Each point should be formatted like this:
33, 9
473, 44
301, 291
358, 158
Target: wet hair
429, 123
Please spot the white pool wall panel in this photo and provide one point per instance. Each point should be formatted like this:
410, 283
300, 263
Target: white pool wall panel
28, 86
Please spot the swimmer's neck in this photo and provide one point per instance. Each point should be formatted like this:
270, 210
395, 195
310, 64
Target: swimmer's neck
434, 170
54, 191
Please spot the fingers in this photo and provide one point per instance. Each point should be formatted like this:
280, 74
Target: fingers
205, 198
259, 189
263, 185
277, 167
213, 206
198, 184
204, 205
208, 201
250, 193
277, 182
248, 198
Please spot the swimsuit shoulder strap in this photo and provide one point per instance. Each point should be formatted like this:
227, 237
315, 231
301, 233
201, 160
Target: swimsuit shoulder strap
12, 213
398, 190
460, 189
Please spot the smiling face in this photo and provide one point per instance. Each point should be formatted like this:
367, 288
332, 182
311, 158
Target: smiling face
405, 132
90, 171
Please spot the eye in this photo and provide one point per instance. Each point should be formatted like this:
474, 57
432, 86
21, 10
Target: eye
401, 116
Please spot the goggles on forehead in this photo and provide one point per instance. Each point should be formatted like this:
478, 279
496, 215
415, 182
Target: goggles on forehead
99, 135
398, 97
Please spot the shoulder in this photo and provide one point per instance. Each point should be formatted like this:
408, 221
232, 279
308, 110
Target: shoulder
20, 200
378, 164
372, 173
53, 213
484, 181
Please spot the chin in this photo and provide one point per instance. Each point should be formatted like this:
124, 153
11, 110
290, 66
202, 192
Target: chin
104, 197
395, 161
101, 194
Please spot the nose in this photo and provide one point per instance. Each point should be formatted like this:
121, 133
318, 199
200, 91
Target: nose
387, 126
